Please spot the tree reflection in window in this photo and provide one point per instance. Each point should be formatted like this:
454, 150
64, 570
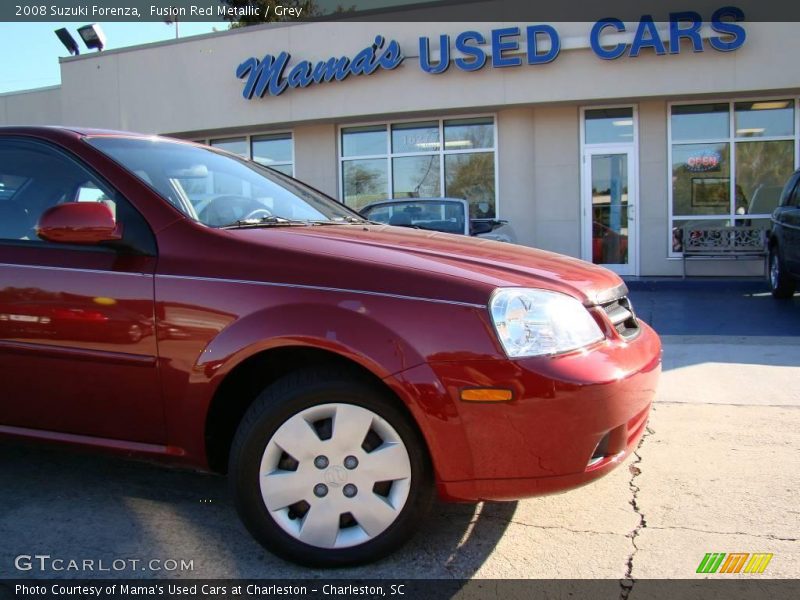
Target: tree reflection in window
471, 177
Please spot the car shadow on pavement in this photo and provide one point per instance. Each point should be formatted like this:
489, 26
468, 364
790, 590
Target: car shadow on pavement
73, 505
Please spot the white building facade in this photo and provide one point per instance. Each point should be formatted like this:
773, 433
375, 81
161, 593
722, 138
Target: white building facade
600, 158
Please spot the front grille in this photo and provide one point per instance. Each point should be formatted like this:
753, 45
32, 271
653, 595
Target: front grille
620, 313
601, 451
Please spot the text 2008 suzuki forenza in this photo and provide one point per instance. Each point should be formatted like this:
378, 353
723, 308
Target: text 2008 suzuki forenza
161, 298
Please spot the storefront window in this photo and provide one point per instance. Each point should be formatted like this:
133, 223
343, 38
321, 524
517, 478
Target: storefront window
762, 169
274, 151
234, 145
723, 175
364, 141
365, 181
701, 179
471, 176
468, 134
700, 122
765, 119
451, 157
416, 176
609, 126
415, 137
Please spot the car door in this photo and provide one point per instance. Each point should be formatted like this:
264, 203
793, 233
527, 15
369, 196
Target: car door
790, 221
786, 219
77, 331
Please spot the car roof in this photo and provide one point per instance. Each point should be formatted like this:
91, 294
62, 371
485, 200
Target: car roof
60, 131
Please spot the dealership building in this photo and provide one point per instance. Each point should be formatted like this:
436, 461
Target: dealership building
600, 140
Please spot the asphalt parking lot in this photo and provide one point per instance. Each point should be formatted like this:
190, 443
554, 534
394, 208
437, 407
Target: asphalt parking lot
716, 472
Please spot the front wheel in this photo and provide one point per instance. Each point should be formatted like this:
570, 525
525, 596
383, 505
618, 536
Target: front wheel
780, 284
327, 471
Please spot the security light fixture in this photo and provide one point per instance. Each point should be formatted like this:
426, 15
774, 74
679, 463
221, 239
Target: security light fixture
92, 36
69, 42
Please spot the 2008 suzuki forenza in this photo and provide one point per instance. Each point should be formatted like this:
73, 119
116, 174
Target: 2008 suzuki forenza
164, 299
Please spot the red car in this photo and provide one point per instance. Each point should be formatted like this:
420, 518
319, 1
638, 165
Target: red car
164, 299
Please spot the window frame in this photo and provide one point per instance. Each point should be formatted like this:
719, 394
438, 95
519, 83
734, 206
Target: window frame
389, 155
793, 198
249, 140
585, 216
732, 140
635, 126
98, 178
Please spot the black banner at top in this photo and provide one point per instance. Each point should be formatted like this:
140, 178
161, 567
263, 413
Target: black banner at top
282, 11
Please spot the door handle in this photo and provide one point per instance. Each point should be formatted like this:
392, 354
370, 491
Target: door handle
631, 212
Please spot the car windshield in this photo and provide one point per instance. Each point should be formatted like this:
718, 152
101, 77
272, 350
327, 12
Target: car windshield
438, 215
220, 189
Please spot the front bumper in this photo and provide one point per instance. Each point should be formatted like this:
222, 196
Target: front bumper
573, 418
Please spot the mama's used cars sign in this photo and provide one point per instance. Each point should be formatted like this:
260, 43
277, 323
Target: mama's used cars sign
501, 48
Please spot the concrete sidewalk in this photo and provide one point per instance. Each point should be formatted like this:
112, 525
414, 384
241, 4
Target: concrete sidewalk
718, 470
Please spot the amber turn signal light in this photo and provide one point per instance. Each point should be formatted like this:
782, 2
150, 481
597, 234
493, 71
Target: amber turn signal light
486, 395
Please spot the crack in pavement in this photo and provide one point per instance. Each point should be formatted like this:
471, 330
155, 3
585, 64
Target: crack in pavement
627, 582
562, 528
766, 536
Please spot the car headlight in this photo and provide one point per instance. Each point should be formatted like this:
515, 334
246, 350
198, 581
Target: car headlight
532, 322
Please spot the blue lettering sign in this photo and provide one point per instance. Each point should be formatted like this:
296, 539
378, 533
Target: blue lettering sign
728, 28
267, 75
262, 75
676, 32
477, 54
594, 39
333, 68
499, 46
723, 21
647, 36
272, 75
534, 31
391, 57
300, 75
425, 55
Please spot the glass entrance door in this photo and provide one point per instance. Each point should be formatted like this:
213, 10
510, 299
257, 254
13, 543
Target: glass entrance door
609, 208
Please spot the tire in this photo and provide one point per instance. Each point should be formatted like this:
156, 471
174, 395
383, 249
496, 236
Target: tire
780, 284
277, 459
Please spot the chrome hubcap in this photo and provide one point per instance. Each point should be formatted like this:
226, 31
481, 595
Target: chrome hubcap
774, 270
335, 475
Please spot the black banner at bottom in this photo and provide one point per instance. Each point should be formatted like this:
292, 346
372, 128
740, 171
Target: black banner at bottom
401, 589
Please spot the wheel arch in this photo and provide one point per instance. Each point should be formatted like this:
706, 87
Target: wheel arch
244, 382
772, 240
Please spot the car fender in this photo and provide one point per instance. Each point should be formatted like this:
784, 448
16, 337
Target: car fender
356, 336
342, 330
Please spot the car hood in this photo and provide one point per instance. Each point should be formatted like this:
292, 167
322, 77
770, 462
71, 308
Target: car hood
381, 258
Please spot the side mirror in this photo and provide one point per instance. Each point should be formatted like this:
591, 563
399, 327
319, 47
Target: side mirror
481, 227
79, 223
